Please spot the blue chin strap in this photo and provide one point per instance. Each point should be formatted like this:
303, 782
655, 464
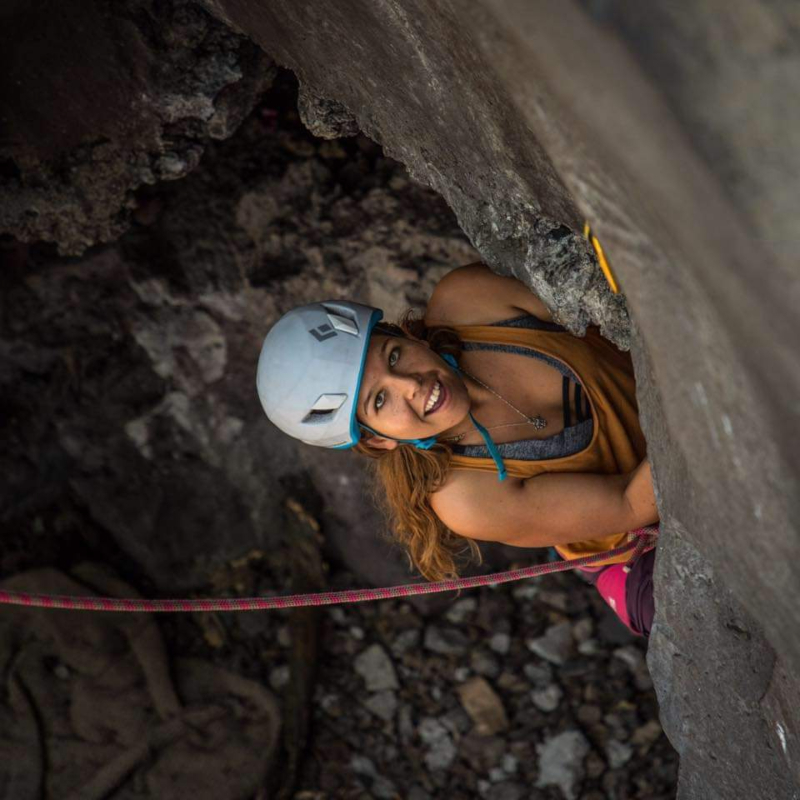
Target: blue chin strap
426, 444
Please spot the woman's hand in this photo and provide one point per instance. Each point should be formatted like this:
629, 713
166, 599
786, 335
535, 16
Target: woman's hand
640, 495
546, 510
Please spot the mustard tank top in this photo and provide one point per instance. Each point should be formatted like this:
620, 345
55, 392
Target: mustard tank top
617, 444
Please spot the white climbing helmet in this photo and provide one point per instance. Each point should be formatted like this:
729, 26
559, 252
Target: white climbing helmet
310, 369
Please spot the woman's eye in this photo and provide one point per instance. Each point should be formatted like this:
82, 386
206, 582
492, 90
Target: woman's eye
380, 398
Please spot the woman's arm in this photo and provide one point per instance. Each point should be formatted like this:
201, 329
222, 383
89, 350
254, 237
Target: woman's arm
474, 295
546, 510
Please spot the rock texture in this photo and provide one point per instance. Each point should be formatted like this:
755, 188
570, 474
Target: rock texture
98, 100
413, 77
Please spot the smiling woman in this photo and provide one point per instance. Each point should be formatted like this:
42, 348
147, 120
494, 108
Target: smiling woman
486, 421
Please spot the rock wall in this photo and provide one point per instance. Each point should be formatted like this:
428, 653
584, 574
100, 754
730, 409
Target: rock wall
448, 116
97, 101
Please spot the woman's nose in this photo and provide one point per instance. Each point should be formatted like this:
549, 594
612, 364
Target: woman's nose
408, 383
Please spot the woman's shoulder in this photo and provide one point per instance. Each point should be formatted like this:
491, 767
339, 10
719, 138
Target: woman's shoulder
474, 295
462, 502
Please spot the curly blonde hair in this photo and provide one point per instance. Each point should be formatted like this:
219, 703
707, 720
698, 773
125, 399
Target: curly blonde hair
406, 477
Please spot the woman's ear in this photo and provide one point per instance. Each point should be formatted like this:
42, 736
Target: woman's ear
379, 442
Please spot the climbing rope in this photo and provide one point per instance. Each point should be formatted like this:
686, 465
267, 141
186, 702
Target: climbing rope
644, 540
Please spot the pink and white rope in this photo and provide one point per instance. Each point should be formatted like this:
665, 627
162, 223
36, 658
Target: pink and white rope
645, 539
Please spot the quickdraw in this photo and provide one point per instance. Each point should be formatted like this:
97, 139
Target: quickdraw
601, 258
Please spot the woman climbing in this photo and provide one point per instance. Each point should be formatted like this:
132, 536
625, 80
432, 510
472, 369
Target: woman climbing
487, 422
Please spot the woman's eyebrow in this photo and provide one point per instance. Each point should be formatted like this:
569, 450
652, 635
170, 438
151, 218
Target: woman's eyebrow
369, 394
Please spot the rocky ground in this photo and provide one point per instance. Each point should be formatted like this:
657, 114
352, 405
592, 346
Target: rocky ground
132, 436
511, 693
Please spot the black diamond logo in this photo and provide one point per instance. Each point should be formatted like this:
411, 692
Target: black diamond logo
321, 333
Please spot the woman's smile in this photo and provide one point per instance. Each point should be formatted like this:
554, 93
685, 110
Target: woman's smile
438, 397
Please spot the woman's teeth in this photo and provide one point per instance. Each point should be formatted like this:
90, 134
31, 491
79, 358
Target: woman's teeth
434, 398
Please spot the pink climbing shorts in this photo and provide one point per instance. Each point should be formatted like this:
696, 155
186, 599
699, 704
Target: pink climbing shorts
630, 594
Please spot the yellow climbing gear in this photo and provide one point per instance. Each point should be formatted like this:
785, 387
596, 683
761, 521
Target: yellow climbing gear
601, 258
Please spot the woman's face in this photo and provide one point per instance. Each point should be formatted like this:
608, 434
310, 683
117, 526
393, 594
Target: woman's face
400, 379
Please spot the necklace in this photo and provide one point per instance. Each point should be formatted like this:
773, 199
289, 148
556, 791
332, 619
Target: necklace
538, 422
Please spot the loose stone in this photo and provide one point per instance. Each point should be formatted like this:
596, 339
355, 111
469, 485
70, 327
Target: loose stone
376, 668
561, 762
383, 705
618, 753
405, 641
538, 674
647, 733
483, 706
507, 790
441, 750
500, 643
279, 677
547, 699
446, 641
556, 645
461, 610
484, 663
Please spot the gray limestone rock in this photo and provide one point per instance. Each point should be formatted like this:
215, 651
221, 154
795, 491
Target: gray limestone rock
618, 753
500, 643
741, 660
440, 748
383, 705
561, 762
547, 699
377, 669
513, 207
446, 641
556, 646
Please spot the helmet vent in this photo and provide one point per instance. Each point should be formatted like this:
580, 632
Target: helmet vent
342, 318
318, 417
329, 402
324, 409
